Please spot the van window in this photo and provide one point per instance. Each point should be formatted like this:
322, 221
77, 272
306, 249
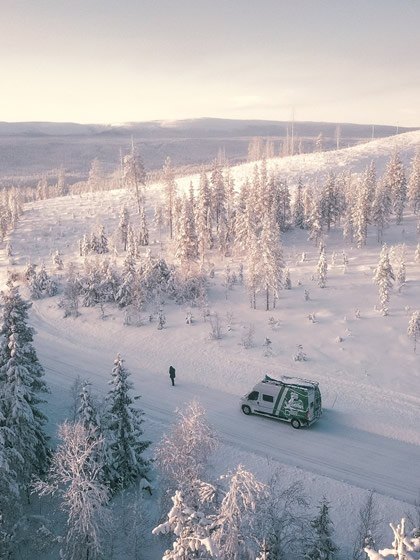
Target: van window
253, 396
267, 398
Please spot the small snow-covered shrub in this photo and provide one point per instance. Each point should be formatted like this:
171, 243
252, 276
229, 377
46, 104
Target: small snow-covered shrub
300, 355
247, 339
216, 327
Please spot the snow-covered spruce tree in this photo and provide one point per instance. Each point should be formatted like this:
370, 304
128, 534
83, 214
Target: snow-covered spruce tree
132, 243
57, 260
237, 518
381, 209
102, 241
75, 478
183, 453
414, 184
126, 291
268, 184
281, 205
170, 189
99, 283
161, 319
42, 285
329, 201
88, 416
158, 220
260, 188
413, 329
74, 392
397, 184
84, 245
247, 224
322, 546
348, 216
315, 220
230, 205
287, 283
218, 196
321, 269
368, 527
252, 278
298, 207
110, 281
362, 209
123, 227
176, 215
271, 260
143, 229
307, 196
401, 273
21, 386
193, 531
9, 491
70, 299
383, 278
186, 239
203, 216
123, 424
134, 175
188, 287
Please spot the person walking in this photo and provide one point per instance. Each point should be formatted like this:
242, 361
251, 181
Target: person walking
172, 374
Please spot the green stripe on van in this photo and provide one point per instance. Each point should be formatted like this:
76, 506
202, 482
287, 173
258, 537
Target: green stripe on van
279, 401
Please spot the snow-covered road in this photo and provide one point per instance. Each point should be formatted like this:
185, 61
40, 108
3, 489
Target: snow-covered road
329, 448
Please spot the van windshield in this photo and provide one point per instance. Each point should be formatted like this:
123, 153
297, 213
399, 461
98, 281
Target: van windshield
253, 396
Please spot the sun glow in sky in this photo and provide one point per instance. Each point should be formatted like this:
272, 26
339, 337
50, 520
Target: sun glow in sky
102, 61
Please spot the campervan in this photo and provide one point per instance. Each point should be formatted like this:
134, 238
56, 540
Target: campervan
290, 399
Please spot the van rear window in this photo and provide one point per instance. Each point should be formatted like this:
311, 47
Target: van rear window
267, 398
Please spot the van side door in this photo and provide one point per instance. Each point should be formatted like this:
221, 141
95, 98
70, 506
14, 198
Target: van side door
265, 404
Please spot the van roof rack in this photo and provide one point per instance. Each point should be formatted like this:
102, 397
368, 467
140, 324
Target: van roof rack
287, 380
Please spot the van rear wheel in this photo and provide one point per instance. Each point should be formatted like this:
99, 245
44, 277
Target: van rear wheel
246, 410
296, 423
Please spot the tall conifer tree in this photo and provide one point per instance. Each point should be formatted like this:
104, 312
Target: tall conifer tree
124, 429
21, 385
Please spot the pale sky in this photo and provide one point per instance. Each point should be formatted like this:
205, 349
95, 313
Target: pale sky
110, 61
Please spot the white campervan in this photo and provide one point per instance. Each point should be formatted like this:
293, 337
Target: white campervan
291, 399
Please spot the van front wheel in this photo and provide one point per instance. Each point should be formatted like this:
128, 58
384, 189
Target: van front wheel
296, 423
246, 410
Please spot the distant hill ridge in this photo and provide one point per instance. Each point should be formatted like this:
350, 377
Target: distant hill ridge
30, 149
203, 127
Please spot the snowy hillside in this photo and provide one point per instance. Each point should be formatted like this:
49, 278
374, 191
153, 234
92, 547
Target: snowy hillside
315, 166
369, 435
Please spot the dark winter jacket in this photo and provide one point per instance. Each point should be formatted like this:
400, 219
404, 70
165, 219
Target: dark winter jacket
171, 372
